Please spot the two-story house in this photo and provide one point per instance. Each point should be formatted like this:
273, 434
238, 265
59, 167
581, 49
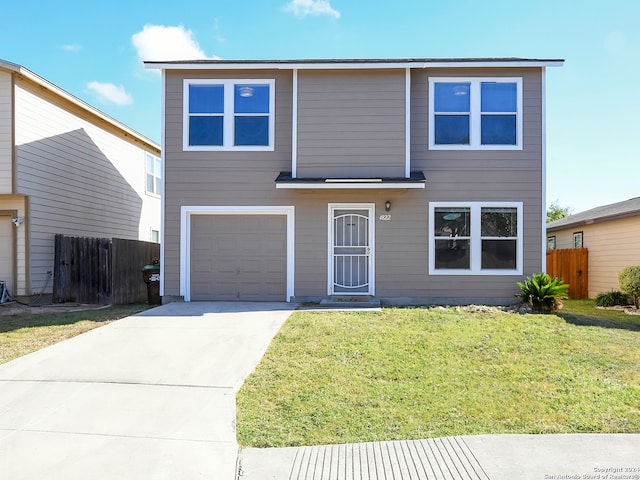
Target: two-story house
409, 181
66, 168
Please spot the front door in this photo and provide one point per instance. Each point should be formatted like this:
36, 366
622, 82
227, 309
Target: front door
351, 249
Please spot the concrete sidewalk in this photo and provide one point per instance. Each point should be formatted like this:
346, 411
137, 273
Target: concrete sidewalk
481, 457
147, 397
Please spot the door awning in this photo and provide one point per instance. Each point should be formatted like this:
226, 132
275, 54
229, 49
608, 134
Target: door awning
415, 180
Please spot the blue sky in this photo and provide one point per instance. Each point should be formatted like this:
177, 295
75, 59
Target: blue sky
93, 50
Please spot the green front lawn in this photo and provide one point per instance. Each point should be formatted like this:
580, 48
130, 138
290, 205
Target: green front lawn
416, 373
25, 333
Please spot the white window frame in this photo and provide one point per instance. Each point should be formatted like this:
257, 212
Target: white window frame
228, 115
475, 113
156, 175
475, 239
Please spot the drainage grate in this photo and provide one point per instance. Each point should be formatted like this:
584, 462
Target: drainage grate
439, 458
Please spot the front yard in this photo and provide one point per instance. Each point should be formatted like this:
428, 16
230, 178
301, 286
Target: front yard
416, 373
27, 332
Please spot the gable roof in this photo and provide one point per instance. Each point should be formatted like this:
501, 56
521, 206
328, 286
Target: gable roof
67, 97
353, 63
627, 208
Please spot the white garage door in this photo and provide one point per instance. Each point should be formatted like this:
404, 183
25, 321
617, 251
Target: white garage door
6, 251
238, 257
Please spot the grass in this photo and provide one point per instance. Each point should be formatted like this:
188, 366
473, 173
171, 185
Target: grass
25, 333
342, 377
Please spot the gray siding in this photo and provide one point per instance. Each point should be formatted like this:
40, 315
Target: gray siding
351, 123
219, 178
401, 255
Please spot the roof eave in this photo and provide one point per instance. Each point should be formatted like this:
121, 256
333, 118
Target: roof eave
349, 64
42, 82
591, 221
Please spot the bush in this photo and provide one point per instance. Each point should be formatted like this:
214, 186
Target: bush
612, 298
629, 283
543, 292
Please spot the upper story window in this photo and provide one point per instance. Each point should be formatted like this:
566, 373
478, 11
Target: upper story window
228, 114
475, 238
475, 113
154, 174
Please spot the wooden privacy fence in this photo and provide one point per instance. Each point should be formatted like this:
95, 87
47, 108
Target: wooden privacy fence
571, 265
101, 270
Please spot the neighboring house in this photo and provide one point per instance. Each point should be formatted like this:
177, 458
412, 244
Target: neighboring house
610, 233
411, 181
67, 168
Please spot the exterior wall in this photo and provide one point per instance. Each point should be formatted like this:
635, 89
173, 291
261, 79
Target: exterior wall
487, 175
351, 123
612, 246
6, 142
16, 205
402, 252
81, 178
219, 178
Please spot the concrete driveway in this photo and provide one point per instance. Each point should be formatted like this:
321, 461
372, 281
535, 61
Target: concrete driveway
150, 396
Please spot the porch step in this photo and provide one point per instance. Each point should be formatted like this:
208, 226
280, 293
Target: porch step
350, 302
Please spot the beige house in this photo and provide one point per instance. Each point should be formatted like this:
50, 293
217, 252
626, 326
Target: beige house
610, 234
66, 167
404, 181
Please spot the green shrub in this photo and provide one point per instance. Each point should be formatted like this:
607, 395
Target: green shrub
629, 283
544, 293
612, 298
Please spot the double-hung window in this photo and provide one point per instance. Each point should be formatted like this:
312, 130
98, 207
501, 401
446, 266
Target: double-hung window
227, 114
475, 113
154, 174
475, 238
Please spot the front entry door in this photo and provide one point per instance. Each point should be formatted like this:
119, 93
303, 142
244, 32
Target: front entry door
351, 250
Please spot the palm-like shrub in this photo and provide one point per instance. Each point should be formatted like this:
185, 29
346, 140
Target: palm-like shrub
543, 292
629, 283
612, 298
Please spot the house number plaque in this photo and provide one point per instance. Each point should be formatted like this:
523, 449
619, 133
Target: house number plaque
385, 218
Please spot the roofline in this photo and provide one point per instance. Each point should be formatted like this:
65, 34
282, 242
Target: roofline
28, 74
320, 64
591, 221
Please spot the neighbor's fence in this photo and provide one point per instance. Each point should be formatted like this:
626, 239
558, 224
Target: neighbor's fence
101, 270
571, 265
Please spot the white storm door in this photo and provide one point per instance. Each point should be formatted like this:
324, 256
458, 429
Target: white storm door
351, 249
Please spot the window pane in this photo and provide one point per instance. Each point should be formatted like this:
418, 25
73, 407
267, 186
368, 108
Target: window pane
149, 163
451, 97
449, 222
157, 169
251, 99
205, 131
498, 130
452, 129
452, 254
157, 190
252, 131
499, 254
150, 183
499, 222
206, 99
498, 97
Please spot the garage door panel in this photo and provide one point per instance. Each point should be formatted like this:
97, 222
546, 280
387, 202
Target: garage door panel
238, 257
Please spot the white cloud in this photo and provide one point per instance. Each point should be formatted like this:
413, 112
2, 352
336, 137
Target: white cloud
72, 47
302, 8
159, 42
110, 93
